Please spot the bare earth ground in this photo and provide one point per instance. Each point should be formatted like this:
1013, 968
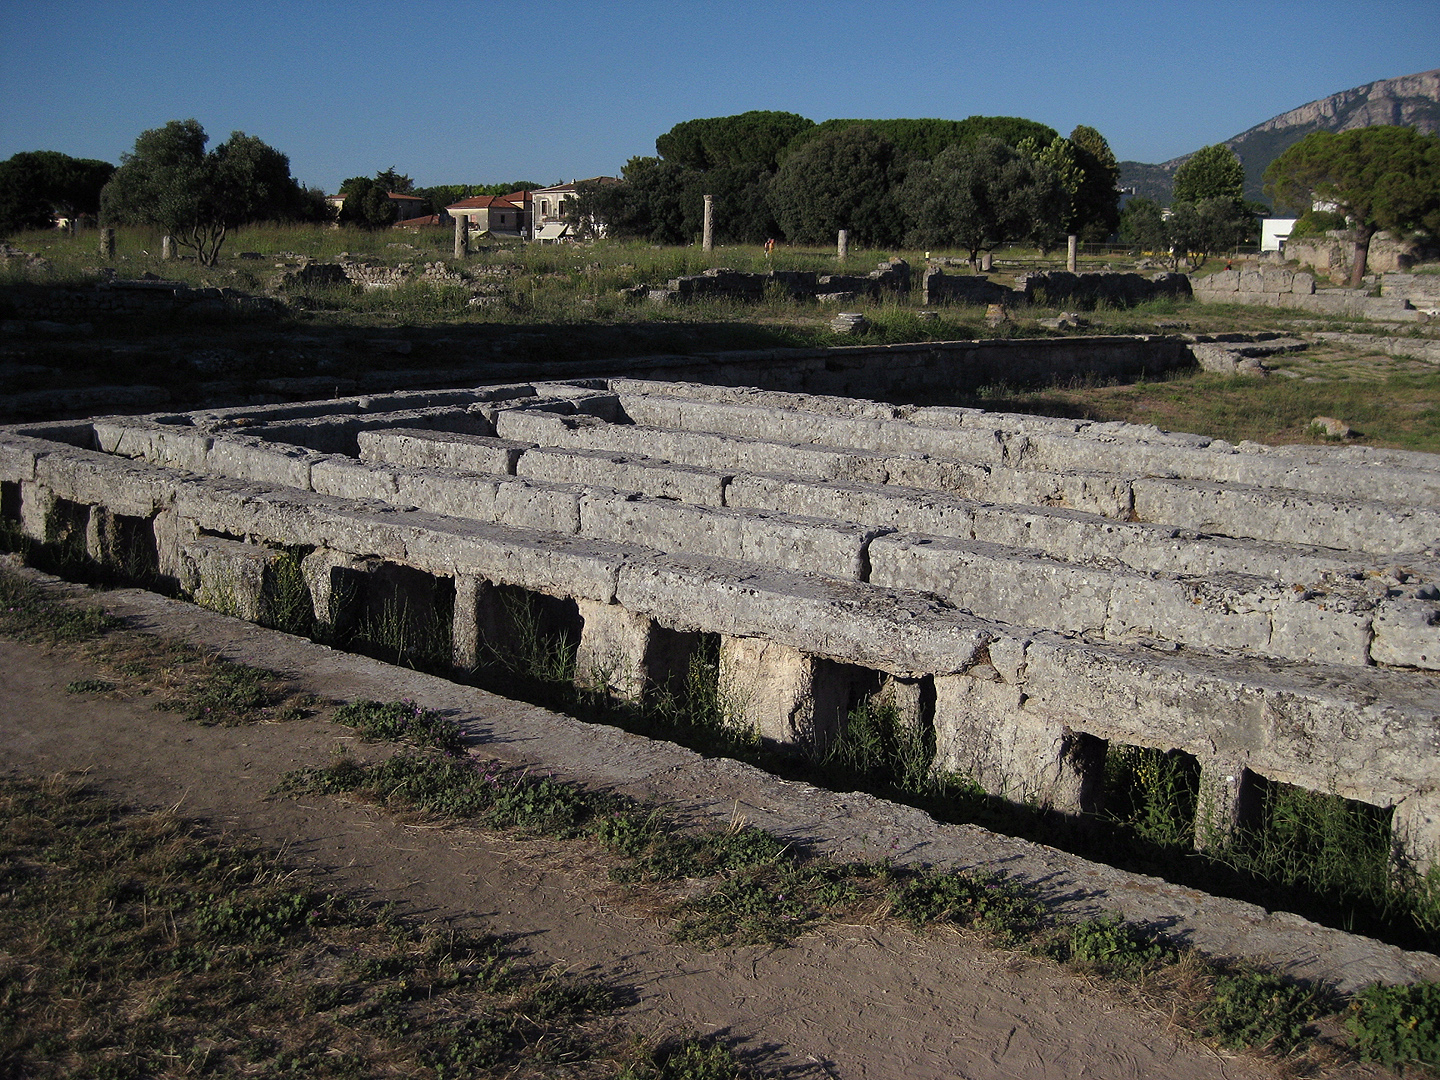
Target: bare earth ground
844, 1001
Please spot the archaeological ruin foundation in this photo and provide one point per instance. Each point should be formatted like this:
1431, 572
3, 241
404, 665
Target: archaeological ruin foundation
1032, 589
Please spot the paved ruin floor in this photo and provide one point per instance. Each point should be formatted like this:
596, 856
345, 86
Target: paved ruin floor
845, 1001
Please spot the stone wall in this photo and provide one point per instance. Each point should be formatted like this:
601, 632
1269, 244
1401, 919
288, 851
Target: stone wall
126, 299
1279, 287
1059, 288
1329, 256
1050, 287
893, 276
1028, 588
1422, 290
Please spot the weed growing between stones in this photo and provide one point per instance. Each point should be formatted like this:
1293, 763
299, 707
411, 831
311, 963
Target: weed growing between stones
1152, 793
1313, 854
415, 636
288, 605
875, 744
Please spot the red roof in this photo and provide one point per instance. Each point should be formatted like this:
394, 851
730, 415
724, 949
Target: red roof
397, 195
481, 202
428, 219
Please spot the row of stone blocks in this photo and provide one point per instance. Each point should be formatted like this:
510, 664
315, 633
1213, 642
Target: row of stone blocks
1278, 287
823, 579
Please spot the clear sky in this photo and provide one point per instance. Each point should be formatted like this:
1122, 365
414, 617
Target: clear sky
549, 90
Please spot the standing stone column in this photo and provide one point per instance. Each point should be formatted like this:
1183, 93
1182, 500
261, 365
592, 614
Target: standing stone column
1072, 244
462, 236
709, 241
1228, 800
107, 243
167, 248
987, 262
478, 619
842, 246
984, 731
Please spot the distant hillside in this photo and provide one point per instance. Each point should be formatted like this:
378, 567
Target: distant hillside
1411, 101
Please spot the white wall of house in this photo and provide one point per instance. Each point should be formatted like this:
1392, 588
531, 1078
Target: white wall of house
1274, 232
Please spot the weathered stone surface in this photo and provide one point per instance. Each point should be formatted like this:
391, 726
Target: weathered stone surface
1043, 586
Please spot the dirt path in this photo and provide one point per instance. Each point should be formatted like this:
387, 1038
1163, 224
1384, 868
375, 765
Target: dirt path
846, 1001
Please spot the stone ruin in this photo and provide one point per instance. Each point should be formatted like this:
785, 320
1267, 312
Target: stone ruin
891, 276
1029, 588
1280, 287
1055, 287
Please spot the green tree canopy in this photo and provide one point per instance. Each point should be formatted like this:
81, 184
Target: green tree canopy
979, 196
663, 201
840, 180
367, 204
34, 185
1212, 172
1059, 160
1380, 177
922, 140
1143, 226
394, 181
1202, 228
1097, 203
169, 181
750, 138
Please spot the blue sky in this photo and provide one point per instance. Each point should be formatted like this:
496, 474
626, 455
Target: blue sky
545, 90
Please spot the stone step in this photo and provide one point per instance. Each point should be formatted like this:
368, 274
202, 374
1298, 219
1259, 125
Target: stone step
1078, 446
1228, 509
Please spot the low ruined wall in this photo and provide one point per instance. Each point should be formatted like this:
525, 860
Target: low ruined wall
123, 299
1422, 290
891, 276
1278, 287
1028, 589
914, 371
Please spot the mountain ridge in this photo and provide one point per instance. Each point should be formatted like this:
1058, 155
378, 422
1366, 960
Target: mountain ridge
1407, 100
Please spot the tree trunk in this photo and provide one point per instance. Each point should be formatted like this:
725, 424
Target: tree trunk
1363, 233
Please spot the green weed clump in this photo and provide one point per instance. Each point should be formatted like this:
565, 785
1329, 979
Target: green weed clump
1113, 947
689, 1059
29, 614
395, 721
1257, 1009
1397, 1025
501, 799
227, 694
1002, 907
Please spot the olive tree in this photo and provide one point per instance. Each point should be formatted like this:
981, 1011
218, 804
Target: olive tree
169, 181
979, 196
1381, 178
